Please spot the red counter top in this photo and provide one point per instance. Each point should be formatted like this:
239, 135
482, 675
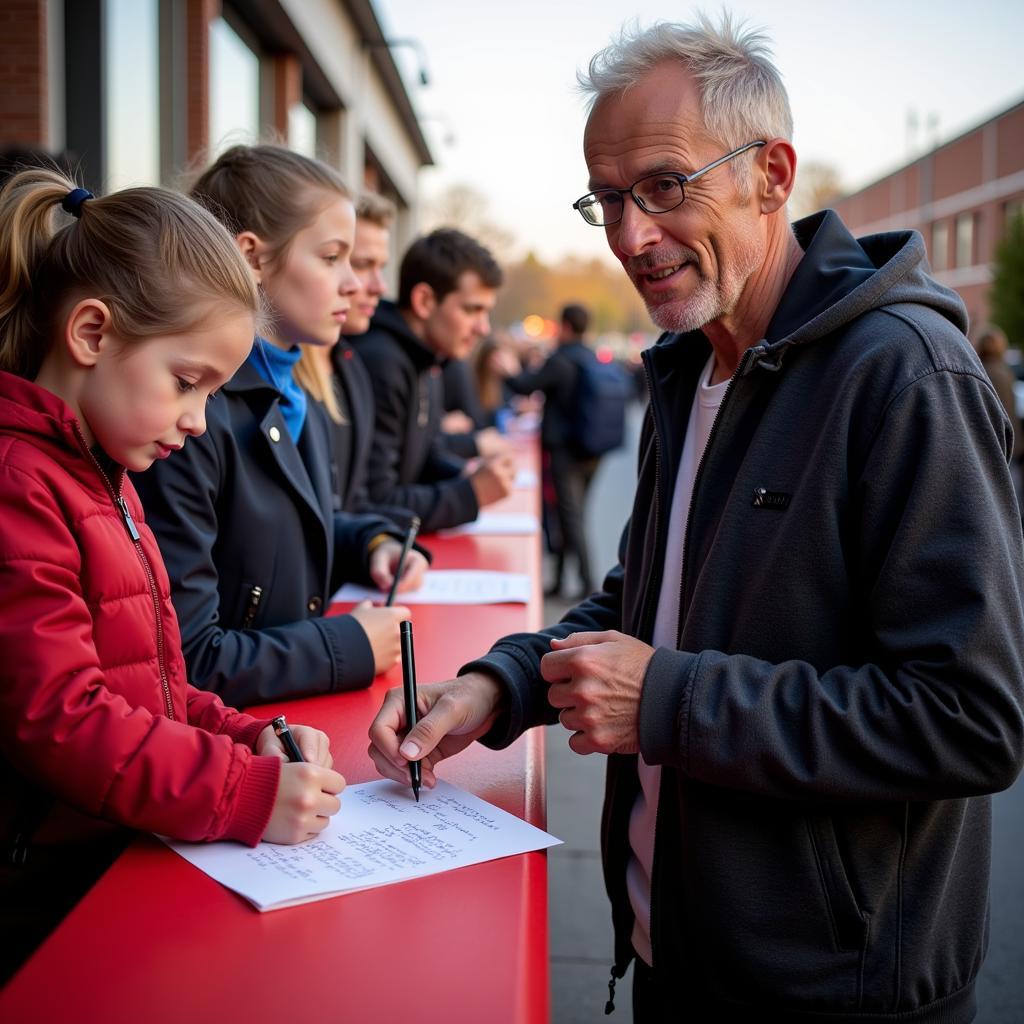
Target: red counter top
157, 941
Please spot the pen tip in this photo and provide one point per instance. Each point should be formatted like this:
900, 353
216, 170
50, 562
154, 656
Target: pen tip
416, 793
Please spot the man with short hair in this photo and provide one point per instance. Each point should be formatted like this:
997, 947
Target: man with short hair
807, 668
447, 287
569, 469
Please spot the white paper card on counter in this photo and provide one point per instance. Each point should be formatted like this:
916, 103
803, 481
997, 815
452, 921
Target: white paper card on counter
380, 836
496, 524
452, 586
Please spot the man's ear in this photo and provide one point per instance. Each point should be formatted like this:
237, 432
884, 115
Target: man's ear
777, 161
88, 332
254, 250
422, 300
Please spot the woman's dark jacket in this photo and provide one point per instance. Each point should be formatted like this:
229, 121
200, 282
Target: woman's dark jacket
848, 684
410, 466
245, 524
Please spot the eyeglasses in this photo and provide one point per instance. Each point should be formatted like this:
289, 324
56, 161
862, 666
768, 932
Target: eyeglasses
653, 193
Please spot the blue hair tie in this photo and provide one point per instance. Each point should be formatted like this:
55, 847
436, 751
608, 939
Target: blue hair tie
72, 202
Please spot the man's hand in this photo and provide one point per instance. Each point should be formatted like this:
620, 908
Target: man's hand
452, 715
596, 679
313, 744
493, 479
384, 565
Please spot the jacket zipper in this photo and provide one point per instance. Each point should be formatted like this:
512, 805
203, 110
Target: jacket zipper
618, 969
255, 596
682, 581
133, 532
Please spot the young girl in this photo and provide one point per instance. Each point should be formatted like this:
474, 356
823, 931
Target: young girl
244, 516
115, 329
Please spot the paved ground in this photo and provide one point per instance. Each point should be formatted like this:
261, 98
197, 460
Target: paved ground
581, 951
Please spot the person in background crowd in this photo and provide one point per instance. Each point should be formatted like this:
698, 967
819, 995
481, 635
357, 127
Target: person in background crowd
245, 515
807, 669
116, 326
991, 346
447, 287
492, 362
569, 471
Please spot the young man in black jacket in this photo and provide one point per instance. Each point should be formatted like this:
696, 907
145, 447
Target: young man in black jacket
447, 288
806, 668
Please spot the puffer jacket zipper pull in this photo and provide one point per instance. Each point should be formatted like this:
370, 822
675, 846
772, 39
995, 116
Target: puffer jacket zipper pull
126, 516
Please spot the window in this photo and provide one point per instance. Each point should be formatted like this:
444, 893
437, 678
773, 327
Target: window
965, 240
132, 92
302, 130
234, 89
1012, 210
940, 245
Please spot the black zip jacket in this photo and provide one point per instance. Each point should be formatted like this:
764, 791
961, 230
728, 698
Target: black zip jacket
254, 550
847, 687
410, 466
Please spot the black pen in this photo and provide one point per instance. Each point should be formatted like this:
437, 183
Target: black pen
410, 537
284, 734
409, 688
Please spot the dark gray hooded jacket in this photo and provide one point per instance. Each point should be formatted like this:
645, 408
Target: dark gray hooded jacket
847, 687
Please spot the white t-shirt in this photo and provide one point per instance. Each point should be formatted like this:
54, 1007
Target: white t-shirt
666, 634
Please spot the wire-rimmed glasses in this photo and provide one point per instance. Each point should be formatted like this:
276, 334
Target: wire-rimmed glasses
653, 193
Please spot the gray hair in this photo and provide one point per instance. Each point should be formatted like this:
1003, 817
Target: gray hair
741, 92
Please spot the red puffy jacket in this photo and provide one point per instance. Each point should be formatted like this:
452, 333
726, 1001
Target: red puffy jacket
94, 705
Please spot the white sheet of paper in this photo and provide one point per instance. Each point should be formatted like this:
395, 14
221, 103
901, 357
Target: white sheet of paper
497, 524
380, 835
453, 586
525, 479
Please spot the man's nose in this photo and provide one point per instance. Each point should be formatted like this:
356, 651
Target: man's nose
378, 286
637, 231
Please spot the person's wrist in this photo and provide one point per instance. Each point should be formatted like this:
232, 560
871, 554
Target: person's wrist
489, 687
376, 541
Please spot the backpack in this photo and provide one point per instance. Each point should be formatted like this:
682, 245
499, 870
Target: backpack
598, 420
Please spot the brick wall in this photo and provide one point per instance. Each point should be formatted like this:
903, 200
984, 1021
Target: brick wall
23, 95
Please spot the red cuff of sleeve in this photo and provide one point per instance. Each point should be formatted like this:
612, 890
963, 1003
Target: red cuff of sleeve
256, 796
245, 729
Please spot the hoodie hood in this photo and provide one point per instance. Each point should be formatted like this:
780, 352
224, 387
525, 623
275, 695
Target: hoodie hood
389, 317
841, 277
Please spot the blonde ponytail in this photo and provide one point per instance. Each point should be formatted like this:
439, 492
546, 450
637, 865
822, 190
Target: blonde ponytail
28, 223
158, 260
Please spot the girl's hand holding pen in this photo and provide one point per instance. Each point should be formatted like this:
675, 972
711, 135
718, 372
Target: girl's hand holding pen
381, 628
384, 564
314, 745
307, 796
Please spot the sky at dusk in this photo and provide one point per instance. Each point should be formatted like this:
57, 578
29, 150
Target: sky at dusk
503, 114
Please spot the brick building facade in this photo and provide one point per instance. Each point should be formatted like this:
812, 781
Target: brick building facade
960, 196
138, 91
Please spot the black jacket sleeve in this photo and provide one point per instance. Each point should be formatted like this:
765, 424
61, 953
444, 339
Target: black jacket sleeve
243, 666
441, 503
515, 659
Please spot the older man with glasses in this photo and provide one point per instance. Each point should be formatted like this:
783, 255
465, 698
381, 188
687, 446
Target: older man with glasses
806, 670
